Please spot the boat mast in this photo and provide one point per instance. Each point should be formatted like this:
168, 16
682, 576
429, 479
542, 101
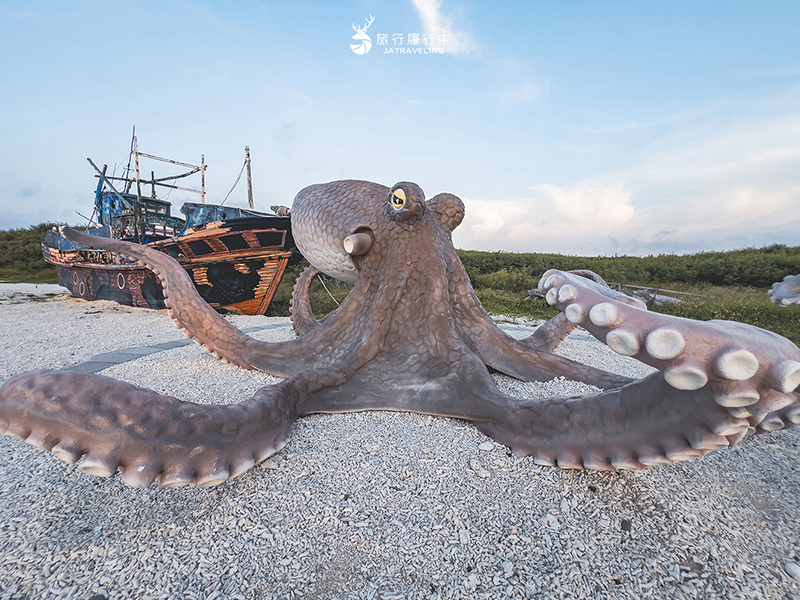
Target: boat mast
249, 178
126, 174
202, 179
138, 192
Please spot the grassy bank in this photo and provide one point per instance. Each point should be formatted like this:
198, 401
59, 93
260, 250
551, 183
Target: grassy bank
744, 304
733, 284
21, 255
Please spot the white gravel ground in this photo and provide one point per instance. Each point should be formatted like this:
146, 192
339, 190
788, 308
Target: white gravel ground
377, 505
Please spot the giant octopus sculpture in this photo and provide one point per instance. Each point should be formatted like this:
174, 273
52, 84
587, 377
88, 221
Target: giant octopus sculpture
412, 336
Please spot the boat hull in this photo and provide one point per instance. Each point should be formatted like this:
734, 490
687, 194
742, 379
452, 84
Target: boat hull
240, 283
129, 285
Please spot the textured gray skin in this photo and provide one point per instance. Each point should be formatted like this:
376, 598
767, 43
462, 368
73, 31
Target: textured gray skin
412, 336
786, 292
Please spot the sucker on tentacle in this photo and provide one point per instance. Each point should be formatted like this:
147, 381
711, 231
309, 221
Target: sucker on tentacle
412, 335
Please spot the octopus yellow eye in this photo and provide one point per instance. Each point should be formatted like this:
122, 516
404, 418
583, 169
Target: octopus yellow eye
398, 198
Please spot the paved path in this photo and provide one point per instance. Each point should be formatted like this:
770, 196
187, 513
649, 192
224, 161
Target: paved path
109, 359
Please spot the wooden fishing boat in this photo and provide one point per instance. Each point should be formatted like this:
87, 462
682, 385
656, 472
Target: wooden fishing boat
236, 257
236, 264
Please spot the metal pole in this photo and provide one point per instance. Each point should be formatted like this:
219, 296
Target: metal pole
202, 178
249, 178
137, 208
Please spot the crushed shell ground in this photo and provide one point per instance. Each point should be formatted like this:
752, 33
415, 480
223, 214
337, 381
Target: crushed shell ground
377, 505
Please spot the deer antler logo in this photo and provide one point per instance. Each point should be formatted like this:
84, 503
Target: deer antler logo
364, 42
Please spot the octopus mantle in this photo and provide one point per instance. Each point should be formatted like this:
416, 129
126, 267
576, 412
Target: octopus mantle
412, 336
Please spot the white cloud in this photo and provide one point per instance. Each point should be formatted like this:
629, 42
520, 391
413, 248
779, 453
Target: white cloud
564, 219
446, 36
718, 186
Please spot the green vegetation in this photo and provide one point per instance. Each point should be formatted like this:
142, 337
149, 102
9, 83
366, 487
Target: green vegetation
21, 255
751, 267
733, 284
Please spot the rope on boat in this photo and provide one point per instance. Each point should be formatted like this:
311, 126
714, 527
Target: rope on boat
236, 182
327, 290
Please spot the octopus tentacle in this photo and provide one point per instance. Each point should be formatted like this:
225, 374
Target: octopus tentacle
747, 370
645, 423
502, 352
114, 425
549, 335
787, 417
302, 316
507, 355
186, 307
786, 292
199, 321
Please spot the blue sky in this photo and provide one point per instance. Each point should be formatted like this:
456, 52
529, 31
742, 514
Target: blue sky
573, 127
